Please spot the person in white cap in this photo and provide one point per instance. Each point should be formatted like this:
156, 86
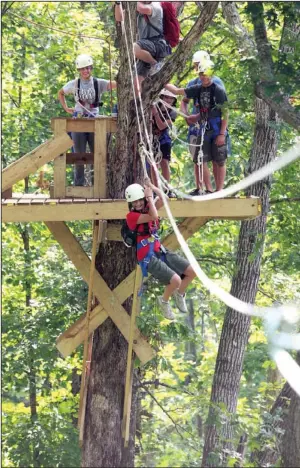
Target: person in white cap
162, 119
87, 92
169, 268
198, 57
212, 118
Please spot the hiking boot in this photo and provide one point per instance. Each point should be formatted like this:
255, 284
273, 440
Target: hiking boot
155, 68
196, 192
165, 308
180, 301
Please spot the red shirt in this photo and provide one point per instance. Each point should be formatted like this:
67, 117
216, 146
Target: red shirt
132, 219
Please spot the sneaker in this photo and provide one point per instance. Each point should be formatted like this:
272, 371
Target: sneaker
155, 68
165, 308
196, 192
180, 301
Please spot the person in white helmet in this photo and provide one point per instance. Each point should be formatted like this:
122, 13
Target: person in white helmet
167, 267
87, 93
212, 118
162, 119
198, 57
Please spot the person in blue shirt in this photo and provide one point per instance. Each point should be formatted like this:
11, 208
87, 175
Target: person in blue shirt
211, 119
193, 131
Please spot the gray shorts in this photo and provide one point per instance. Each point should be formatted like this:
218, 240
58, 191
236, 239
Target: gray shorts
157, 48
211, 152
164, 271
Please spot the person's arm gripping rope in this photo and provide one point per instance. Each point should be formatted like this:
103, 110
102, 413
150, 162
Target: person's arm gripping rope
144, 9
161, 124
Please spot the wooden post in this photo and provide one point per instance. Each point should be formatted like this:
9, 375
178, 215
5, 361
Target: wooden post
100, 159
60, 127
130, 362
84, 377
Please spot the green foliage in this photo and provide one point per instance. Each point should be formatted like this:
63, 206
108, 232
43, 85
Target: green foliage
43, 293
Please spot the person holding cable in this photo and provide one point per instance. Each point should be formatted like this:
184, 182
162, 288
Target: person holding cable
169, 268
212, 118
87, 92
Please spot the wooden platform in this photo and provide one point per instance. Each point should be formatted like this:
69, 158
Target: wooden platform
35, 208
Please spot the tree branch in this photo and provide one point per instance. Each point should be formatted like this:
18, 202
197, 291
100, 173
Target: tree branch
176, 63
284, 200
266, 88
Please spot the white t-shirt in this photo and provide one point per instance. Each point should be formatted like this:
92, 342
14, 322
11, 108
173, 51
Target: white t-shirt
86, 93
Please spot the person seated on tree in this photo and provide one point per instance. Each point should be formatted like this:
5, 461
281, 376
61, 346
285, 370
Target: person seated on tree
87, 92
212, 118
162, 118
167, 267
151, 47
193, 131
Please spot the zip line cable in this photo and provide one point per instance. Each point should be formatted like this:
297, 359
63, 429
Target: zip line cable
273, 316
68, 33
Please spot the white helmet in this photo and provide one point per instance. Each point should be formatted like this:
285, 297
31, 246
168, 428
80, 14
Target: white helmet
200, 55
165, 92
83, 61
205, 66
134, 192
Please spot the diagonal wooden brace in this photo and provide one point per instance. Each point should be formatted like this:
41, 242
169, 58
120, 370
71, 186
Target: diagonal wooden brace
32, 161
70, 339
108, 298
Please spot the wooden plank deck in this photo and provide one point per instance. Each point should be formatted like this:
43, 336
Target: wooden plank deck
34, 209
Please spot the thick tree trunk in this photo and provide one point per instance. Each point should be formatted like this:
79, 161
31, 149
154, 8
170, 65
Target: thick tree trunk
268, 455
103, 444
235, 330
291, 439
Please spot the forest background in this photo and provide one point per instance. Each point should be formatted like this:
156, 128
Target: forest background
43, 293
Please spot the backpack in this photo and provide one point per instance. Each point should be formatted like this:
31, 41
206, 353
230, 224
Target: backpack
96, 103
129, 236
171, 26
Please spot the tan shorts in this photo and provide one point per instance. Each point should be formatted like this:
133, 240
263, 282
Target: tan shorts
164, 271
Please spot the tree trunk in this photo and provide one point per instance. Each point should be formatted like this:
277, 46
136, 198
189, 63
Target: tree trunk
103, 444
291, 438
235, 330
268, 455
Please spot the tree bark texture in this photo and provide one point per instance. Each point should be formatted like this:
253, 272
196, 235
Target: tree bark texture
291, 438
268, 455
103, 445
235, 332
261, 69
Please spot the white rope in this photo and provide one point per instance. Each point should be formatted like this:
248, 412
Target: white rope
273, 316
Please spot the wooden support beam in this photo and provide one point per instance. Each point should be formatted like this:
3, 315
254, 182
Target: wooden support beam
225, 208
79, 159
32, 161
85, 373
59, 186
100, 159
87, 124
105, 296
129, 369
70, 339
80, 192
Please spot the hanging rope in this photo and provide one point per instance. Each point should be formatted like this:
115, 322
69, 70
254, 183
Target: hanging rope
284, 361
